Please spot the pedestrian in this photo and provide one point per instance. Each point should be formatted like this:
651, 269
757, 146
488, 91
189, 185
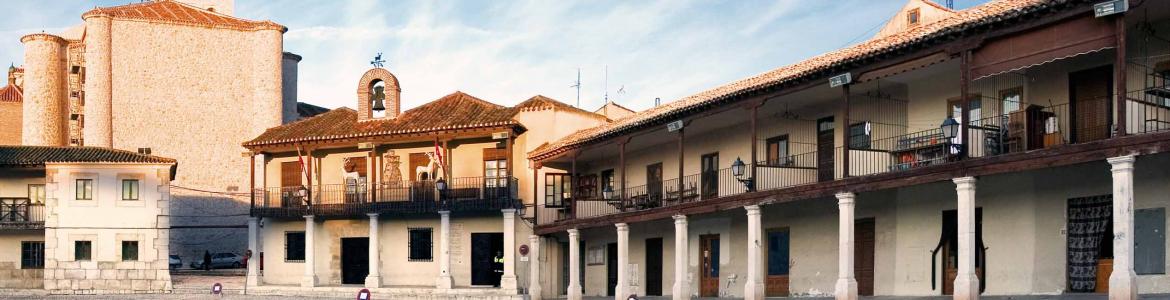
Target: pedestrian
206, 260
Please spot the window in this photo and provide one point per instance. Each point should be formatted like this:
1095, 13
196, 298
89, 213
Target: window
955, 108
420, 244
777, 151
84, 189
129, 250
607, 181
36, 193
1149, 243
130, 189
495, 173
294, 246
82, 250
556, 190
1011, 99
859, 135
32, 255
913, 17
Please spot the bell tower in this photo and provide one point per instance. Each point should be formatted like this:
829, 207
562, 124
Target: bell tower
378, 95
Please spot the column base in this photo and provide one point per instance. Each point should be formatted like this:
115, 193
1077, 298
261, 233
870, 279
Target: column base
575, 292
252, 280
508, 284
966, 287
846, 289
753, 290
373, 281
1122, 285
535, 292
444, 283
309, 281
681, 291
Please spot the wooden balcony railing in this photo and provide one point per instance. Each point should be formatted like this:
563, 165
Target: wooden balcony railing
466, 194
21, 213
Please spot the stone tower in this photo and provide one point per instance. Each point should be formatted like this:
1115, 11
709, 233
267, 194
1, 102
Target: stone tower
288, 78
98, 130
46, 106
365, 92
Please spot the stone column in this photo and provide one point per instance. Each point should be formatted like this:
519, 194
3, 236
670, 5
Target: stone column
444, 282
253, 278
1123, 280
966, 282
754, 285
310, 278
574, 265
623, 258
846, 288
374, 278
508, 280
534, 289
682, 287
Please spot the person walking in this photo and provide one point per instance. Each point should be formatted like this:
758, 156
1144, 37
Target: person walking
206, 260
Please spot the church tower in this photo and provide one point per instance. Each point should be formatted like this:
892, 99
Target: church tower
46, 105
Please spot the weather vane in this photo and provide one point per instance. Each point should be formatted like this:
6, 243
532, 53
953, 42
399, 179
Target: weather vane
377, 62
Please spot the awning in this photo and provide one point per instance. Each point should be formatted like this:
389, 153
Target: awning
1019, 51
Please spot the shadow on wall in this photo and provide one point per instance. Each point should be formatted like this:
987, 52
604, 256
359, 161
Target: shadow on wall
207, 221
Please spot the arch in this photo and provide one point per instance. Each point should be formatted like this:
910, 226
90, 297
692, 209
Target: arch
392, 89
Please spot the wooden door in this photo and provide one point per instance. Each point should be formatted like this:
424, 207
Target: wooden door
355, 260
485, 247
709, 175
863, 255
654, 259
709, 265
611, 268
290, 177
1090, 92
825, 142
654, 182
778, 263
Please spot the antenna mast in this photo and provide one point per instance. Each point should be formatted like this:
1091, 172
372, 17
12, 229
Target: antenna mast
577, 85
606, 83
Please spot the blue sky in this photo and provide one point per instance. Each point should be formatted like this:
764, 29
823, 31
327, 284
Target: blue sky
508, 51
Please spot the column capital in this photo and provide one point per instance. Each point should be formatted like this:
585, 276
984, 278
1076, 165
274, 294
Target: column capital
846, 198
309, 218
622, 226
444, 212
573, 232
508, 211
254, 219
373, 215
964, 180
680, 219
532, 239
1121, 162
752, 209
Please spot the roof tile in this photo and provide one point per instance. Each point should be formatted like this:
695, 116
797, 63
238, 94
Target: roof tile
39, 155
179, 13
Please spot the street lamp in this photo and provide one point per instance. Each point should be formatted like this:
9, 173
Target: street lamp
737, 169
441, 185
950, 128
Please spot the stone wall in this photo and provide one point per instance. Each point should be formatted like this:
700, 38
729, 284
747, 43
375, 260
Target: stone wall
12, 276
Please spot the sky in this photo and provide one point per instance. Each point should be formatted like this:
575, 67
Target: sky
508, 51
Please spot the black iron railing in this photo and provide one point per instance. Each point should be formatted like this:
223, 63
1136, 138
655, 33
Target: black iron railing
465, 194
21, 213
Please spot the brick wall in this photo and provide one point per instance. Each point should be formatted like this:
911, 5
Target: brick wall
10, 122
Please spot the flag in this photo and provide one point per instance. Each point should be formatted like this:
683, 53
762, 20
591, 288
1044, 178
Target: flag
439, 157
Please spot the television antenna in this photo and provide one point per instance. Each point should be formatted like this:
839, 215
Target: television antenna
577, 84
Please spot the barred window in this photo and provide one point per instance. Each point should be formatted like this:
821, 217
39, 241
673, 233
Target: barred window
32, 255
294, 246
420, 244
82, 250
129, 250
130, 189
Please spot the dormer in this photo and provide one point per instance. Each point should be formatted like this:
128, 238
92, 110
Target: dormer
914, 14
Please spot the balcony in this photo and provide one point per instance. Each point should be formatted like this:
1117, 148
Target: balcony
21, 213
462, 195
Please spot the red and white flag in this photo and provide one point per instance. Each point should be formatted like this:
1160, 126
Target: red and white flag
439, 157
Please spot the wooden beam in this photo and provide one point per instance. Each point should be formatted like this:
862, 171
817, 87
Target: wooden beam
1064, 155
252, 184
964, 87
681, 160
1119, 81
845, 132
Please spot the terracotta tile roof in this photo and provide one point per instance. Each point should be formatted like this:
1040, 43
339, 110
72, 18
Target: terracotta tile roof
455, 111
170, 11
991, 12
39, 155
11, 93
540, 102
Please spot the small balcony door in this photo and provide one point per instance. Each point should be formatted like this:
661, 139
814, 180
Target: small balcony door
654, 182
709, 175
825, 147
1089, 94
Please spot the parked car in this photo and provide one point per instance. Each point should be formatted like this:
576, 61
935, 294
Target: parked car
175, 262
221, 260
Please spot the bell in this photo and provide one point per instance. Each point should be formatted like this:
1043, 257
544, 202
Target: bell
378, 97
